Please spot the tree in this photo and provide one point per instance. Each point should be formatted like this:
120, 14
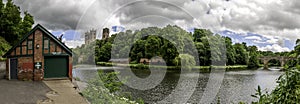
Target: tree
13, 27
138, 51
297, 50
230, 51
201, 52
1, 8
186, 61
253, 57
241, 54
297, 47
152, 46
104, 53
11, 20
168, 52
26, 23
200, 33
217, 49
4, 47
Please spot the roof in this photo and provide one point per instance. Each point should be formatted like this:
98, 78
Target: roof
40, 27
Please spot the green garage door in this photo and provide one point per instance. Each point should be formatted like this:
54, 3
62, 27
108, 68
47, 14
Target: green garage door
56, 67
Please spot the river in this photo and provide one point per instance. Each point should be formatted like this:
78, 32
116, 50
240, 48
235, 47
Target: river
236, 86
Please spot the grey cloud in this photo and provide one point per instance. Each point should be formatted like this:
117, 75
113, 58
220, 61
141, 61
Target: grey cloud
148, 8
65, 14
54, 14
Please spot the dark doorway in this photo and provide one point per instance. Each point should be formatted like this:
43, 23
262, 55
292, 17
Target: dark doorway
13, 68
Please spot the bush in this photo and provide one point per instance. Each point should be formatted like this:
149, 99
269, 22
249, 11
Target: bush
186, 60
104, 63
4, 47
139, 66
105, 89
286, 92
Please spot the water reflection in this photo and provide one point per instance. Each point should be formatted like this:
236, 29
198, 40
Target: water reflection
237, 85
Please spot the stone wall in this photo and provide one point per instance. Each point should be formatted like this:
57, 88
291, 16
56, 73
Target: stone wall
2, 66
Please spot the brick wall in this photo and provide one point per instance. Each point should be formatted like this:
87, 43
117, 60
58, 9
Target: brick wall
2, 66
38, 54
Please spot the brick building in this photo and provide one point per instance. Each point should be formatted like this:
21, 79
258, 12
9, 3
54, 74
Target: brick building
37, 56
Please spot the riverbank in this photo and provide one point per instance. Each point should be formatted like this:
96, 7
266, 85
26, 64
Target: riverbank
201, 68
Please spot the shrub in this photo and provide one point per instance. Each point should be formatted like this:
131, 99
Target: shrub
105, 89
286, 92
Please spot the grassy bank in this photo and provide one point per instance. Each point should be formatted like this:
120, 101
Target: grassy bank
201, 68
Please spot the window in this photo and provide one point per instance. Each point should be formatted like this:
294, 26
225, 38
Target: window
46, 44
29, 45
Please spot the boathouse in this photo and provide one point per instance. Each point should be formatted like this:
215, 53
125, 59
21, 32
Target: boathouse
39, 55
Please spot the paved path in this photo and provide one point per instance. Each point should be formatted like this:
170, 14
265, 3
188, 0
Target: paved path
22, 92
63, 93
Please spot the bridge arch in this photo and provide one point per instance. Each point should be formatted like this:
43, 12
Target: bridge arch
274, 62
282, 60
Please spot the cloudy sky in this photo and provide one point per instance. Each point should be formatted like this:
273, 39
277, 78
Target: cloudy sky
270, 24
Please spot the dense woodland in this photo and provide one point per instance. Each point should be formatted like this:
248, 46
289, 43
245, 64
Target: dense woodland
13, 25
151, 43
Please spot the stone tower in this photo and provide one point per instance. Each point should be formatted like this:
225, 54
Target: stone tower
90, 36
105, 33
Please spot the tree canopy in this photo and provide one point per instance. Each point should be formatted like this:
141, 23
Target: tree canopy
12, 25
150, 42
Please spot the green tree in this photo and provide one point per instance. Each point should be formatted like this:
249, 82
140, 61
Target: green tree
4, 47
297, 50
253, 57
217, 49
138, 51
13, 27
241, 54
152, 46
104, 53
200, 33
186, 61
1, 9
205, 53
27, 23
169, 52
10, 22
230, 51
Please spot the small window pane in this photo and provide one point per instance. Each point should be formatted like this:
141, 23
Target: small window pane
30, 44
46, 44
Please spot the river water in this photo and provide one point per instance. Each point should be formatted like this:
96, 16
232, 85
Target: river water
236, 86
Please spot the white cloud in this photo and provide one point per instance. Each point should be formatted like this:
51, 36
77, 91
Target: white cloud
274, 48
259, 42
73, 43
272, 41
253, 38
235, 40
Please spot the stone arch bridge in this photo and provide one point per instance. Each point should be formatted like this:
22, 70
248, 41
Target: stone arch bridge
282, 59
